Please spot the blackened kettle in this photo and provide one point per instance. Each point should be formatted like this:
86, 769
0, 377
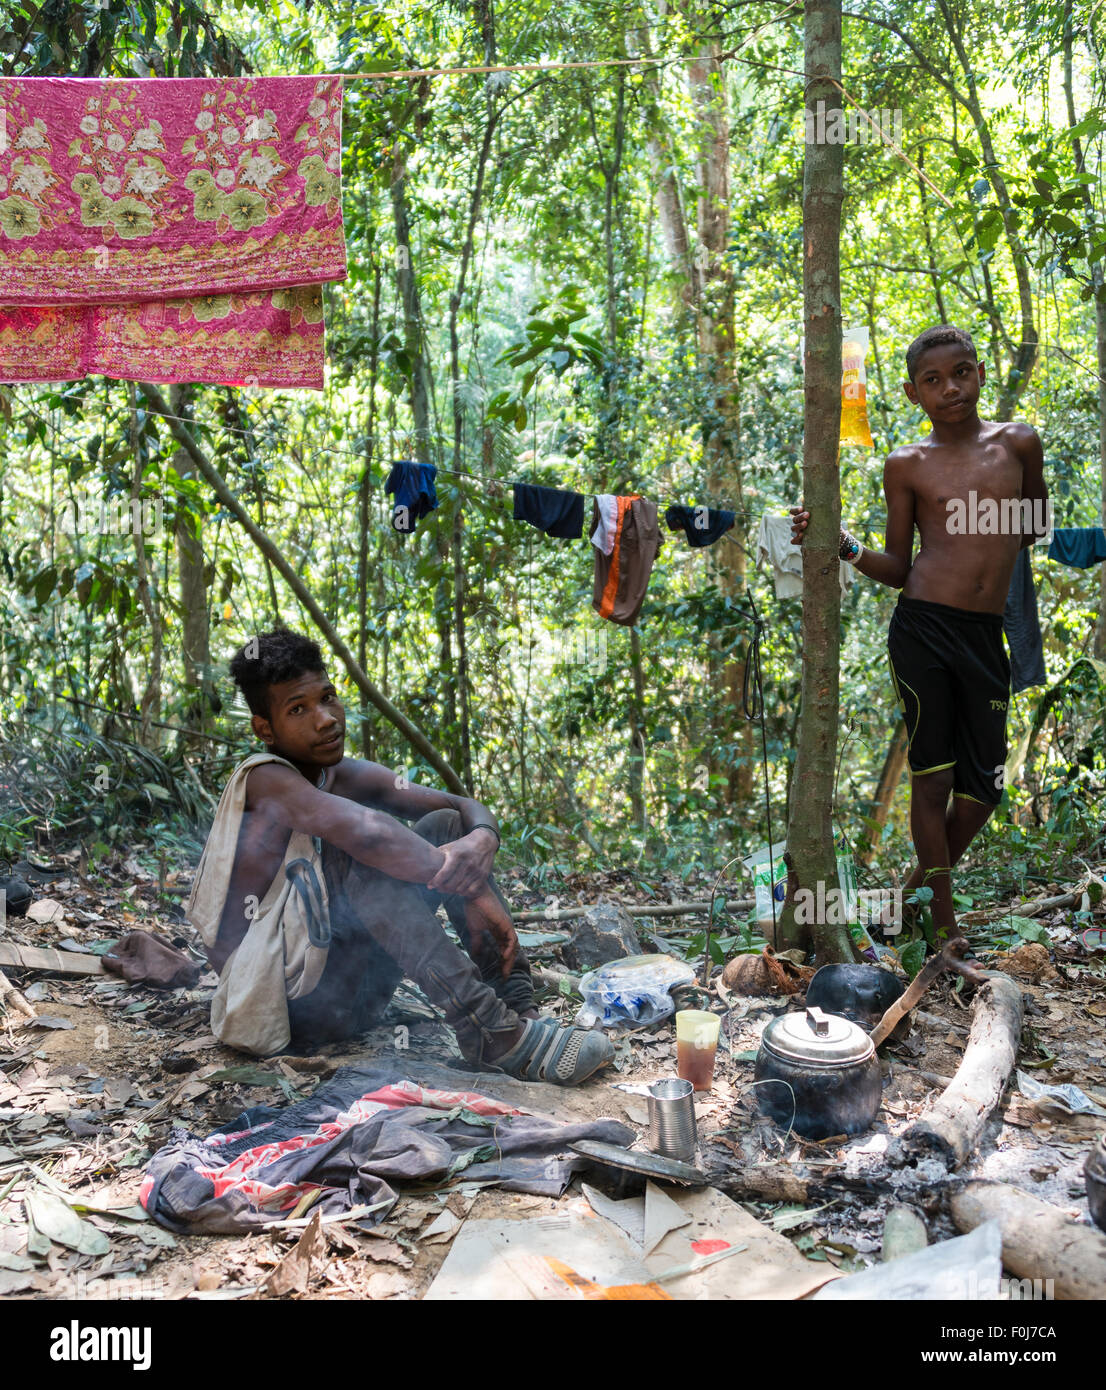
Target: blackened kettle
822, 1074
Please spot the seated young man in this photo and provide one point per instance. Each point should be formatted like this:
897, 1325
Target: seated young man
314, 899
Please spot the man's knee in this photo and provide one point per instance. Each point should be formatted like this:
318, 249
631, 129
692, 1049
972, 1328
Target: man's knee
440, 827
933, 787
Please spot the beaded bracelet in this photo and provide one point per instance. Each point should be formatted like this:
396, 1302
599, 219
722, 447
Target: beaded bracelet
850, 550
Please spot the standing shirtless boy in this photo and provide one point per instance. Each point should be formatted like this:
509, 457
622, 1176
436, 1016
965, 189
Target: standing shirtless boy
948, 663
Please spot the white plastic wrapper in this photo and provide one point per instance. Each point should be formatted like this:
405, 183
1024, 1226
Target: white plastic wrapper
1067, 1097
632, 992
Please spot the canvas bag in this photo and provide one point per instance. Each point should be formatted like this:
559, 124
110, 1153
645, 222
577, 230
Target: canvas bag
283, 953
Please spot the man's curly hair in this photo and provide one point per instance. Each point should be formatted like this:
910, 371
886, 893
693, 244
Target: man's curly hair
272, 657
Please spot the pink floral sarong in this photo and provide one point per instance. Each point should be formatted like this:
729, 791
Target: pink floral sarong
168, 229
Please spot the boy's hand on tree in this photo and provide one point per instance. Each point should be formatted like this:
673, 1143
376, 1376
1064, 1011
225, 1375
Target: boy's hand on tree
800, 519
485, 913
468, 862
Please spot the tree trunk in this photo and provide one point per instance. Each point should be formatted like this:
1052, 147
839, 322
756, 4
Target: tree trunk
1098, 281
923, 193
1025, 349
413, 336
364, 494
714, 302
809, 831
611, 440
150, 706
195, 651
421, 389
637, 734
195, 623
893, 766
414, 736
486, 18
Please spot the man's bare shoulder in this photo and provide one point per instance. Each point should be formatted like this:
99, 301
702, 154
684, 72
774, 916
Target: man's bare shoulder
267, 781
356, 777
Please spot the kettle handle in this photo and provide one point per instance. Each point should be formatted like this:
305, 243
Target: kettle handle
818, 1021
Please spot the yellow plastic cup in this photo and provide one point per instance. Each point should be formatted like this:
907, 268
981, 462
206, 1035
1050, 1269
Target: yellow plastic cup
696, 1045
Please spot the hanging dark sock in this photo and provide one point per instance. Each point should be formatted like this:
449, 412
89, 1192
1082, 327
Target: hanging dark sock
412, 485
701, 525
556, 512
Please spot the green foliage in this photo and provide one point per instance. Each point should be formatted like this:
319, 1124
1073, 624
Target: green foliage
587, 361
913, 957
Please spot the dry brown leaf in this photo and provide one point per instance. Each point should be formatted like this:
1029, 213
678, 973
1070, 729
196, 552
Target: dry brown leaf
46, 910
385, 1285
197, 1044
386, 1252
293, 1274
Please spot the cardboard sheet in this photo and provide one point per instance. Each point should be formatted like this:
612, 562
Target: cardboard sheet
505, 1259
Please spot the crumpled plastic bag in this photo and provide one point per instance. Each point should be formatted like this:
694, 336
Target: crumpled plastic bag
1066, 1097
631, 992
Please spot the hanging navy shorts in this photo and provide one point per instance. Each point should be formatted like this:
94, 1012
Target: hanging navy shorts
952, 678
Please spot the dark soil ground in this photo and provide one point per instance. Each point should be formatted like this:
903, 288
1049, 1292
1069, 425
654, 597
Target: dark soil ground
91, 1090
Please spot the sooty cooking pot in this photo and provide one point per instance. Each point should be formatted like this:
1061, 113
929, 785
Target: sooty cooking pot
862, 993
830, 1065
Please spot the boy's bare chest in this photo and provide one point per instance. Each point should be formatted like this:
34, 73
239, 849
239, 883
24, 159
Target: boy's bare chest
990, 470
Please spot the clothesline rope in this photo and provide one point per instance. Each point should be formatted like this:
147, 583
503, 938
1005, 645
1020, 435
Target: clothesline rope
483, 479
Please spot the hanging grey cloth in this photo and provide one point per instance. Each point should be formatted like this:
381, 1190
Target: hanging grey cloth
1023, 631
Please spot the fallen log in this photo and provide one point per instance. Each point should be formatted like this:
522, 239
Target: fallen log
1038, 1240
951, 1126
47, 958
1033, 908
565, 914
779, 1182
553, 979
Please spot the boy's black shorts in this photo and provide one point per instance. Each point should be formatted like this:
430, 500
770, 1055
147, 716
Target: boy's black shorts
952, 677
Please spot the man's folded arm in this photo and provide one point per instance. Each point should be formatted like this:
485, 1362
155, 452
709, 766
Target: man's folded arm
376, 786
370, 837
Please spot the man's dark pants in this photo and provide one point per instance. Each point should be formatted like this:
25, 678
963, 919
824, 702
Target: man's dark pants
383, 929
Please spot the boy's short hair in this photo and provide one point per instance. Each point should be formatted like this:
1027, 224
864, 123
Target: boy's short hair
938, 336
272, 657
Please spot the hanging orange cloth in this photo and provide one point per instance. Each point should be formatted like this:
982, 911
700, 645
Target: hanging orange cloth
626, 538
